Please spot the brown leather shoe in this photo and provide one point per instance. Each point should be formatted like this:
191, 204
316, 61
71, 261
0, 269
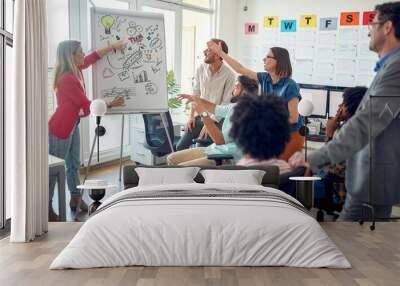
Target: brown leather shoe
52, 215
73, 204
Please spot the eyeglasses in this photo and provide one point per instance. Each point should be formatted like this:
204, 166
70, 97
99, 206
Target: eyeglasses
270, 57
372, 24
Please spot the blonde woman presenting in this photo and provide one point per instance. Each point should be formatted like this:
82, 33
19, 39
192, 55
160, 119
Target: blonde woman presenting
72, 103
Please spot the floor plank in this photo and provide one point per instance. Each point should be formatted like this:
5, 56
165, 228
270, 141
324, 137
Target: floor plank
375, 257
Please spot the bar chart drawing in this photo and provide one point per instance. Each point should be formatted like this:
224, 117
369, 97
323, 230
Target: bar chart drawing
141, 77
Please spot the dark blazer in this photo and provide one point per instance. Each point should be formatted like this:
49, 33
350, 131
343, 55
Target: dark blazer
357, 139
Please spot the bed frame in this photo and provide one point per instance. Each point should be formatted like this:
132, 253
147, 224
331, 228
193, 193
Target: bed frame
271, 178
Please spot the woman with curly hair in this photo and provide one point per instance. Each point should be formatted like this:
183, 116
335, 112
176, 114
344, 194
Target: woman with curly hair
261, 128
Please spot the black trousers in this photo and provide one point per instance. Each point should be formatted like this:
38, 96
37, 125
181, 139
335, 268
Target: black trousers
187, 139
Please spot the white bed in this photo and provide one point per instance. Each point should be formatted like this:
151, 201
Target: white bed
252, 228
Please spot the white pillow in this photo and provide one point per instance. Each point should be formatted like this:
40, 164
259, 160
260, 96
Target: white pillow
166, 176
248, 177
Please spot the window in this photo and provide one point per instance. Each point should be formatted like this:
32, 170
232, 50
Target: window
196, 31
112, 4
188, 24
9, 15
58, 30
200, 3
6, 43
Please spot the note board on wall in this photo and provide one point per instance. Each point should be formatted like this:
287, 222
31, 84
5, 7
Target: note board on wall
327, 41
138, 72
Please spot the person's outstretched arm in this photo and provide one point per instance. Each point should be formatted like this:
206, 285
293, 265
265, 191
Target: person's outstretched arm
98, 54
212, 129
209, 106
234, 64
120, 45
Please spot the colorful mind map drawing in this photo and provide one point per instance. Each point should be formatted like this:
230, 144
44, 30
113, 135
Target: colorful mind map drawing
138, 61
138, 71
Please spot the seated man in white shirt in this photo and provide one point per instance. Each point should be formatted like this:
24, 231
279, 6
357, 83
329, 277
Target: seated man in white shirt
214, 82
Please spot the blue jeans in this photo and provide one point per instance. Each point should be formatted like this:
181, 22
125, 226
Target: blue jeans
68, 150
353, 210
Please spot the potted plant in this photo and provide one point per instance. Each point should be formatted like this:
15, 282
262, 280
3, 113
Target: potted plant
173, 90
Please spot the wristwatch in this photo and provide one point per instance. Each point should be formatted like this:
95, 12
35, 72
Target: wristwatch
204, 114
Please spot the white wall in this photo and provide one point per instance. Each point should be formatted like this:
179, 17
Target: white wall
228, 12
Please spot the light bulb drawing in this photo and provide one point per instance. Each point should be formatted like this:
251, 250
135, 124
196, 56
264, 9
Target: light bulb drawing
108, 22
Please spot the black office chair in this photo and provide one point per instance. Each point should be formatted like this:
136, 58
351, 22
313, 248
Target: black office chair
206, 141
202, 142
219, 158
156, 137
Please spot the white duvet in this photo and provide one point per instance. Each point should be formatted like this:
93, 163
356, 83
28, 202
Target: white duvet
202, 231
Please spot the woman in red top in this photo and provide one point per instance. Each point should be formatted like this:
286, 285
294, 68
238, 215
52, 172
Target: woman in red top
72, 103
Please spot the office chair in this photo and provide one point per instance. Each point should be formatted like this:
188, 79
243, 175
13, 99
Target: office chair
202, 142
219, 158
156, 136
206, 141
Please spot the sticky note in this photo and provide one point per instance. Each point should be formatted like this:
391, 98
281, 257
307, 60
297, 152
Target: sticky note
288, 26
271, 22
368, 16
349, 18
308, 21
328, 24
250, 28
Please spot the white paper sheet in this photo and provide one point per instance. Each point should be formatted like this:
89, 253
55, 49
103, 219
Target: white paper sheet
304, 66
323, 79
348, 51
327, 38
305, 52
346, 80
305, 36
305, 78
270, 36
365, 80
346, 66
348, 35
366, 66
326, 54
287, 39
327, 68
365, 53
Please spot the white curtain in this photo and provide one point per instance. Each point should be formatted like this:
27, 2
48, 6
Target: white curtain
27, 123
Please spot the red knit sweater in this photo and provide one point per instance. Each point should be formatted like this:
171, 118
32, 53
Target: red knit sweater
71, 98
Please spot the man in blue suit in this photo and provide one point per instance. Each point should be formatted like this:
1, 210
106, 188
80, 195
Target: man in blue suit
372, 135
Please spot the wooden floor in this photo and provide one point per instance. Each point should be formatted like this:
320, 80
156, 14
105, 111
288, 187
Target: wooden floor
108, 172
374, 255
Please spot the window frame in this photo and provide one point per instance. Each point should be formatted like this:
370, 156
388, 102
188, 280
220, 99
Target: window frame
6, 39
178, 6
